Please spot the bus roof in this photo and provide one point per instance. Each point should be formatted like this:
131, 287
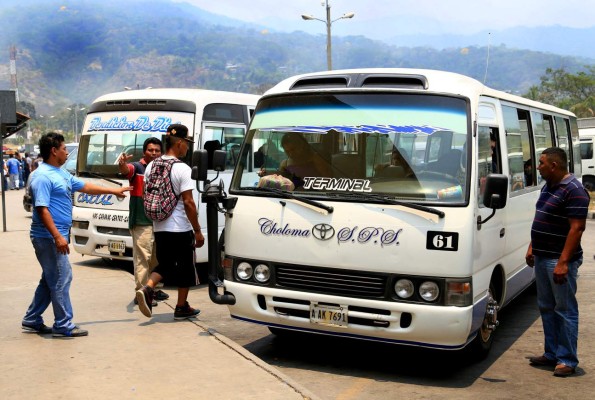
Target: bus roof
399, 79
200, 96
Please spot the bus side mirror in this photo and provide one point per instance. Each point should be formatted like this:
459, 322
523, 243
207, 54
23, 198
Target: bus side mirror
494, 195
219, 157
200, 163
496, 191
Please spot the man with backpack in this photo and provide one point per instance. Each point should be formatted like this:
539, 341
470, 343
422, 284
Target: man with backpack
141, 227
169, 203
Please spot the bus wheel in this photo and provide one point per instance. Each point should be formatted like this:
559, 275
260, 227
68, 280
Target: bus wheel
588, 185
480, 346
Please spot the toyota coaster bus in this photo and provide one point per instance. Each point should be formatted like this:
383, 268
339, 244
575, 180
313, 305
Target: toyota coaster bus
408, 221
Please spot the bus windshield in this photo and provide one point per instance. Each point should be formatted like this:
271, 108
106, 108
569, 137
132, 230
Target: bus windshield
400, 146
99, 152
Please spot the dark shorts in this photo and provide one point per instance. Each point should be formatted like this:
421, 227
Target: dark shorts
175, 255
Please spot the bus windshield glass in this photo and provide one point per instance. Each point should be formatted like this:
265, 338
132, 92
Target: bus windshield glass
407, 147
107, 135
99, 152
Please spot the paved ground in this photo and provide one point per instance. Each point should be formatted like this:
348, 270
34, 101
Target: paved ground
125, 355
130, 356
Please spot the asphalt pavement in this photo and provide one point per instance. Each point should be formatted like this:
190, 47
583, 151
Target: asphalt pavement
126, 355
129, 356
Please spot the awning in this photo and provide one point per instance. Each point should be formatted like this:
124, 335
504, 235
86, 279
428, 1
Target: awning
10, 129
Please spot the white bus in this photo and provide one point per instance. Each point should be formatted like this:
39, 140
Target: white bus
121, 122
424, 253
586, 130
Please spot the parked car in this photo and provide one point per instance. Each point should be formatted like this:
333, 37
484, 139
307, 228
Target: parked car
69, 165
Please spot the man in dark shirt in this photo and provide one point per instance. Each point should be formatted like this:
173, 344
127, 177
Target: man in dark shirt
556, 253
141, 227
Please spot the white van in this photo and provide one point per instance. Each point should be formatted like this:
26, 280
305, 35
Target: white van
121, 122
586, 130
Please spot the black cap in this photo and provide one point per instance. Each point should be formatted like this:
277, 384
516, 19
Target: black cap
179, 131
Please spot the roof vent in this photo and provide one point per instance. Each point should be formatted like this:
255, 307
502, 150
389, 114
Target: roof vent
322, 82
395, 81
152, 102
118, 103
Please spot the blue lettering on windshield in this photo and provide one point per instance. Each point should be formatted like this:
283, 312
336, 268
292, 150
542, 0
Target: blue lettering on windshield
141, 124
384, 129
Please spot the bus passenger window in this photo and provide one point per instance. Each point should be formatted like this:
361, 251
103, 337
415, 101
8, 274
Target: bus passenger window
517, 125
488, 156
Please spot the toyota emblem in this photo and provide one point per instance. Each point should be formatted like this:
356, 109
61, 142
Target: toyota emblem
323, 231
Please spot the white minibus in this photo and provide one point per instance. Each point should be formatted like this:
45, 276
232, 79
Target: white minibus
390, 205
121, 122
586, 131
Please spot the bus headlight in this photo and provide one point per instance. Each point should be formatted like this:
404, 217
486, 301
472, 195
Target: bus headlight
244, 271
429, 291
404, 288
262, 273
80, 224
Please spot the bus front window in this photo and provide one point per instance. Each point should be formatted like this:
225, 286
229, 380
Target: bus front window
99, 152
410, 147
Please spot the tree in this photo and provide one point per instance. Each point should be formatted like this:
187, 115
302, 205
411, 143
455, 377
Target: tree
574, 92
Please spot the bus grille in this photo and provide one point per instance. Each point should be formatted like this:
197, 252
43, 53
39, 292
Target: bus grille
108, 230
331, 281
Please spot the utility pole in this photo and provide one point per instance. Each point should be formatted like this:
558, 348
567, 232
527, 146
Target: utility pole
13, 72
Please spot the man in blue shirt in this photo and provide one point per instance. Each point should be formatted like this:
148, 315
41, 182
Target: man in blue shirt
51, 189
556, 253
13, 166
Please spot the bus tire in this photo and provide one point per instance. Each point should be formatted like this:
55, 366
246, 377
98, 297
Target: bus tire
588, 184
480, 347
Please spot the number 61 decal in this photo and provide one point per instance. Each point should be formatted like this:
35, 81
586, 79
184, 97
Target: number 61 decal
445, 241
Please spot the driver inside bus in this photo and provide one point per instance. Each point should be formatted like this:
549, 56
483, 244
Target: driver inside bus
397, 168
301, 160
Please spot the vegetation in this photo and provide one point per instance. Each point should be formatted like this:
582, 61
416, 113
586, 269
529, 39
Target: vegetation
574, 92
70, 52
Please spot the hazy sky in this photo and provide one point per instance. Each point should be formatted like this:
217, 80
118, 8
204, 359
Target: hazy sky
396, 17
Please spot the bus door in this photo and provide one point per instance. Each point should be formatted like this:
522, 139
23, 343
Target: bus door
229, 138
490, 238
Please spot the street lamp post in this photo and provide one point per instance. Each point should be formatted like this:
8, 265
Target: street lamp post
328, 23
75, 124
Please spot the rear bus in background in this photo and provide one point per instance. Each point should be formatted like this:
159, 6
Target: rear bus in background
121, 122
586, 130
423, 251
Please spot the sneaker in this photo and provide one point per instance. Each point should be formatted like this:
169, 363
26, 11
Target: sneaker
153, 304
76, 332
144, 297
185, 312
161, 295
41, 329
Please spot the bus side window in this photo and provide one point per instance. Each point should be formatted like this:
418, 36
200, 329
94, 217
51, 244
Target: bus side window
518, 140
488, 156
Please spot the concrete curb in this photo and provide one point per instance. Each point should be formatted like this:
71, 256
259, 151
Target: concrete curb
259, 362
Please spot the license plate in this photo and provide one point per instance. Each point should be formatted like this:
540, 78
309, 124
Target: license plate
328, 315
116, 246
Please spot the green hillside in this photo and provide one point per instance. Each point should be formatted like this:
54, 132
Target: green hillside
73, 51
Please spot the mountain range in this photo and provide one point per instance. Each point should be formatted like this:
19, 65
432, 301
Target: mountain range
73, 51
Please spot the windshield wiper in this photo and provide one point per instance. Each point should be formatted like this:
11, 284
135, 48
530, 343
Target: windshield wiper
289, 195
388, 200
101, 177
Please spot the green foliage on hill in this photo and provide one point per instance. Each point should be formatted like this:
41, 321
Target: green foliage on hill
73, 51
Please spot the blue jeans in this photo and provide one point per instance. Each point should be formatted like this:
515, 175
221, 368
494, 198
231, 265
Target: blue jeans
53, 287
559, 310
